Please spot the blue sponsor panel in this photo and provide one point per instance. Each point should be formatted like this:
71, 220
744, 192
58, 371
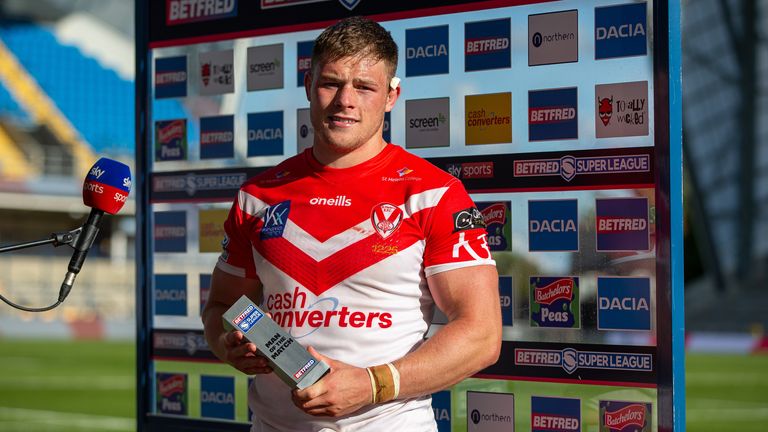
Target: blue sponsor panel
553, 114
303, 60
550, 414
487, 45
275, 218
205, 289
170, 231
386, 131
625, 416
170, 294
426, 51
441, 406
623, 303
506, 298
622, 224
265, 133
171, 393
620, 31
217, 397
217, 137
170, 77
553, 225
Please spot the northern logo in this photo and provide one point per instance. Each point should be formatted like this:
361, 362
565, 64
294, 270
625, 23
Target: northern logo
553, 38
386, 218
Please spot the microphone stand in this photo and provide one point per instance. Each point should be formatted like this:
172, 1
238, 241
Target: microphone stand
56, 239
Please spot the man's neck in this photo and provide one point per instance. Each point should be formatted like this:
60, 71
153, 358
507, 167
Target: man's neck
333, 159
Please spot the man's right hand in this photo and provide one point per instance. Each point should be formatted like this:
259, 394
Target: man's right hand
243, 355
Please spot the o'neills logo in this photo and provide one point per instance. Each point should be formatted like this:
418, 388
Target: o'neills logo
187, 11
561, 289
631, 415
174, 130
338, 201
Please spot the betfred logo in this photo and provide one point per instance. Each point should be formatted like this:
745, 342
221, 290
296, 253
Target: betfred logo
217, 397
623, 303
553, 225
553, 114
299, 373
553, 38
170, 140
303, 60
171, 77
170, 231
555, 302
217, 137
620, 31
486, 45
622, 224
488, 118
550, 414
265, 133
426, 51
189, 11
569, 167
506, 299
619, 416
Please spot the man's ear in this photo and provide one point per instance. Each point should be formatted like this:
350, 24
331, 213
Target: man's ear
392, 96
308, 83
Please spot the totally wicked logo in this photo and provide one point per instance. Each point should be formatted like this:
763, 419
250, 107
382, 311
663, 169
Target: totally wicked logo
619, 416
555, 302
386, 218
622, 109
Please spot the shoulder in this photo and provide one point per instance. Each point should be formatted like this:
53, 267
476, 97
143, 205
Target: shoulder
281, 174
418, 168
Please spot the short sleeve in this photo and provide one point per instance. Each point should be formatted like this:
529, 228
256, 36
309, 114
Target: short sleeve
455, 235
237, 253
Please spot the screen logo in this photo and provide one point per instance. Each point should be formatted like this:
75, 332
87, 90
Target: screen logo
553, 225
427, 123
553, 38
170, 77
217, 397
217, 72
623, 303
622, 224
553, 114
426, 51
621, 109
486, 45
217, 137
170, 140
171, 294
265, 67
550, 414
265, 133
620, 31
555, 302
488, 118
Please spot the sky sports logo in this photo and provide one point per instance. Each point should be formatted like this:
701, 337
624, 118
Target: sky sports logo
620, 31
571, 359
486, 45
265, 133
553, 114
426, 51
555, 414
170, 77
217, 137
569, 167
189, 11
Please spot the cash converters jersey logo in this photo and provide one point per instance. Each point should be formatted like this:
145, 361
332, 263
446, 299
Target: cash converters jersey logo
623, 303
303, 314
303, 60
621, 109
506, 299
265, 67
441, 407
488, 118
170, 231
211, 229
217, 72
553, 38
550, 414
426, 51
217, 137
621, 416
620, 31
189, 11
553, 225
265, 133
170, 140
172, 393
555, 302
622, 224
569, 167
571, 359
553, 114
170, 77
427, 123
490, 412
217, 397
170, 294
486, 45
498, 222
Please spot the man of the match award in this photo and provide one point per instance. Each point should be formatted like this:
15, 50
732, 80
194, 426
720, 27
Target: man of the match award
289, 360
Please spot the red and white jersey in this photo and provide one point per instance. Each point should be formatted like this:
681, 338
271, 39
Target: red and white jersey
344, 256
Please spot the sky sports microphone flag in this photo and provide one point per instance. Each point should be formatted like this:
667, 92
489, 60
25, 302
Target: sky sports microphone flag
107, 185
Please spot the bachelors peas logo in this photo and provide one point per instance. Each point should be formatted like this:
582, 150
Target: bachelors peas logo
170, 140
488, 118
622, 416
555, 302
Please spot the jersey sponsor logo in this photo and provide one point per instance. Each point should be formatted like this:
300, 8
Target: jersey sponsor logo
170, 294
622, 109
426, 51
265, 133
623, 303
337, 201
553, 114
498, 221
470, 246
555, 302
487, 45
217, 397
553, 225
569, 167
170, 231
217, 72
275, 217
217, 137
620, 31
170, 140
441, 407
621, 416
189, 11
171, 77
303, 60
622, 224
467, 219
172, 393
555, 414
553, 38
265, 67
571, 359
386, 219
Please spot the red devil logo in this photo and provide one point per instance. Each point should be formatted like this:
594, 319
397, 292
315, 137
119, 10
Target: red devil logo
205, 73
605, 109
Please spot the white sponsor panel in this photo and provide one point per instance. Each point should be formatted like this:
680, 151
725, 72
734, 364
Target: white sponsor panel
553, 38
621, 109
490, 412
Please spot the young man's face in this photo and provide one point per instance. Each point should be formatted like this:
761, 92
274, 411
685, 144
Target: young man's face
348, 99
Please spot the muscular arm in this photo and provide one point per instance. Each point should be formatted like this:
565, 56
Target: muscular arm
230, 346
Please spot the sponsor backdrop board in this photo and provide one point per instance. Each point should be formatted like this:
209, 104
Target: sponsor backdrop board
561, 118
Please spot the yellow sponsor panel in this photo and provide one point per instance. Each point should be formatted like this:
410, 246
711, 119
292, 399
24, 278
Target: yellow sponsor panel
211, 229
488, 118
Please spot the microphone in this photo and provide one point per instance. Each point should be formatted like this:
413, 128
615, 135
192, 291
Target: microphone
105, 190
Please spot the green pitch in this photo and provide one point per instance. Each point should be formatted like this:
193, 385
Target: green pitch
90, 386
